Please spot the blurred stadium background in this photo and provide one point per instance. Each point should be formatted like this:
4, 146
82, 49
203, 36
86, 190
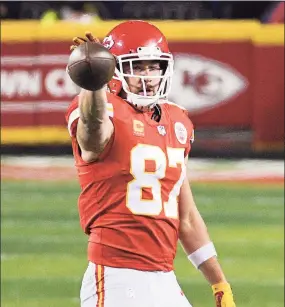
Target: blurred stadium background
229, 75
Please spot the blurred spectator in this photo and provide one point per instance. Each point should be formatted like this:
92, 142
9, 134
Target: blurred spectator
84, 13
8, 11
49, 16
275, 14
3, 11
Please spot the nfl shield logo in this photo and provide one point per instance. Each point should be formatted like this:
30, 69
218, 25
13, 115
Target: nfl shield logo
161, 130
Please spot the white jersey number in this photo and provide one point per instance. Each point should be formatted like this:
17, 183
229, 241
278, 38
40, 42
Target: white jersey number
152, 180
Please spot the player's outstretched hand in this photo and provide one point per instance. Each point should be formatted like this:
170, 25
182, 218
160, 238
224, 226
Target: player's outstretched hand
223, 295
79, 40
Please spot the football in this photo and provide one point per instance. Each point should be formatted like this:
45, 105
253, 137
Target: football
91, 66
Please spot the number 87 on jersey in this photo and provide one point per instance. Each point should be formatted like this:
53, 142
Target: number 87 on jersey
158, 177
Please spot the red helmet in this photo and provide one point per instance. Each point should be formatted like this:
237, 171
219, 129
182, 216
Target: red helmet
138, 40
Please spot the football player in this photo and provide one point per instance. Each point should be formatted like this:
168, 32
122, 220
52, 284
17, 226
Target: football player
131, 147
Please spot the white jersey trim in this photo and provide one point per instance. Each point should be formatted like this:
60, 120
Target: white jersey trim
110, 109
74, 115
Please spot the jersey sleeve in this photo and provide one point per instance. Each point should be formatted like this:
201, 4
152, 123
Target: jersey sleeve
72, 116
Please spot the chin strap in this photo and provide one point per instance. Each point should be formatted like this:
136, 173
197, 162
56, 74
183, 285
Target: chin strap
156, 115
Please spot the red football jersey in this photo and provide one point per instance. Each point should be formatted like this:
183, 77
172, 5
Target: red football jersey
128, 202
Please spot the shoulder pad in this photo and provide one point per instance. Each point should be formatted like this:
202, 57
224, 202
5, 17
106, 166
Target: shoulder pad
172, 104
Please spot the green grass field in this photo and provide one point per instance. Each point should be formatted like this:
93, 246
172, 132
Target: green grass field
44, 249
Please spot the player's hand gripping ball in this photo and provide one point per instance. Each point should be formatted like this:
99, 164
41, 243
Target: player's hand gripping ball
90, 64
77, 40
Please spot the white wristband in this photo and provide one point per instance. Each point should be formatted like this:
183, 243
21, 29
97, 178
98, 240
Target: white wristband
202, 254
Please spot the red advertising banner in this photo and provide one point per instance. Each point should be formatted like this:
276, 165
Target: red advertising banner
213, 81
227, 83
35, 89
268, 99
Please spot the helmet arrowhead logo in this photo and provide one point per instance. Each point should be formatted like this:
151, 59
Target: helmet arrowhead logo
108, 42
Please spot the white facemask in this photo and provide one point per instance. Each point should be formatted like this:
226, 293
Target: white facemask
147, 54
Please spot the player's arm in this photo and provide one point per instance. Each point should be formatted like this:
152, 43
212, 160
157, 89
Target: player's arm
194, 237
94, 129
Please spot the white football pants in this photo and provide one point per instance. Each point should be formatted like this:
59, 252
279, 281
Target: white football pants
117, 287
